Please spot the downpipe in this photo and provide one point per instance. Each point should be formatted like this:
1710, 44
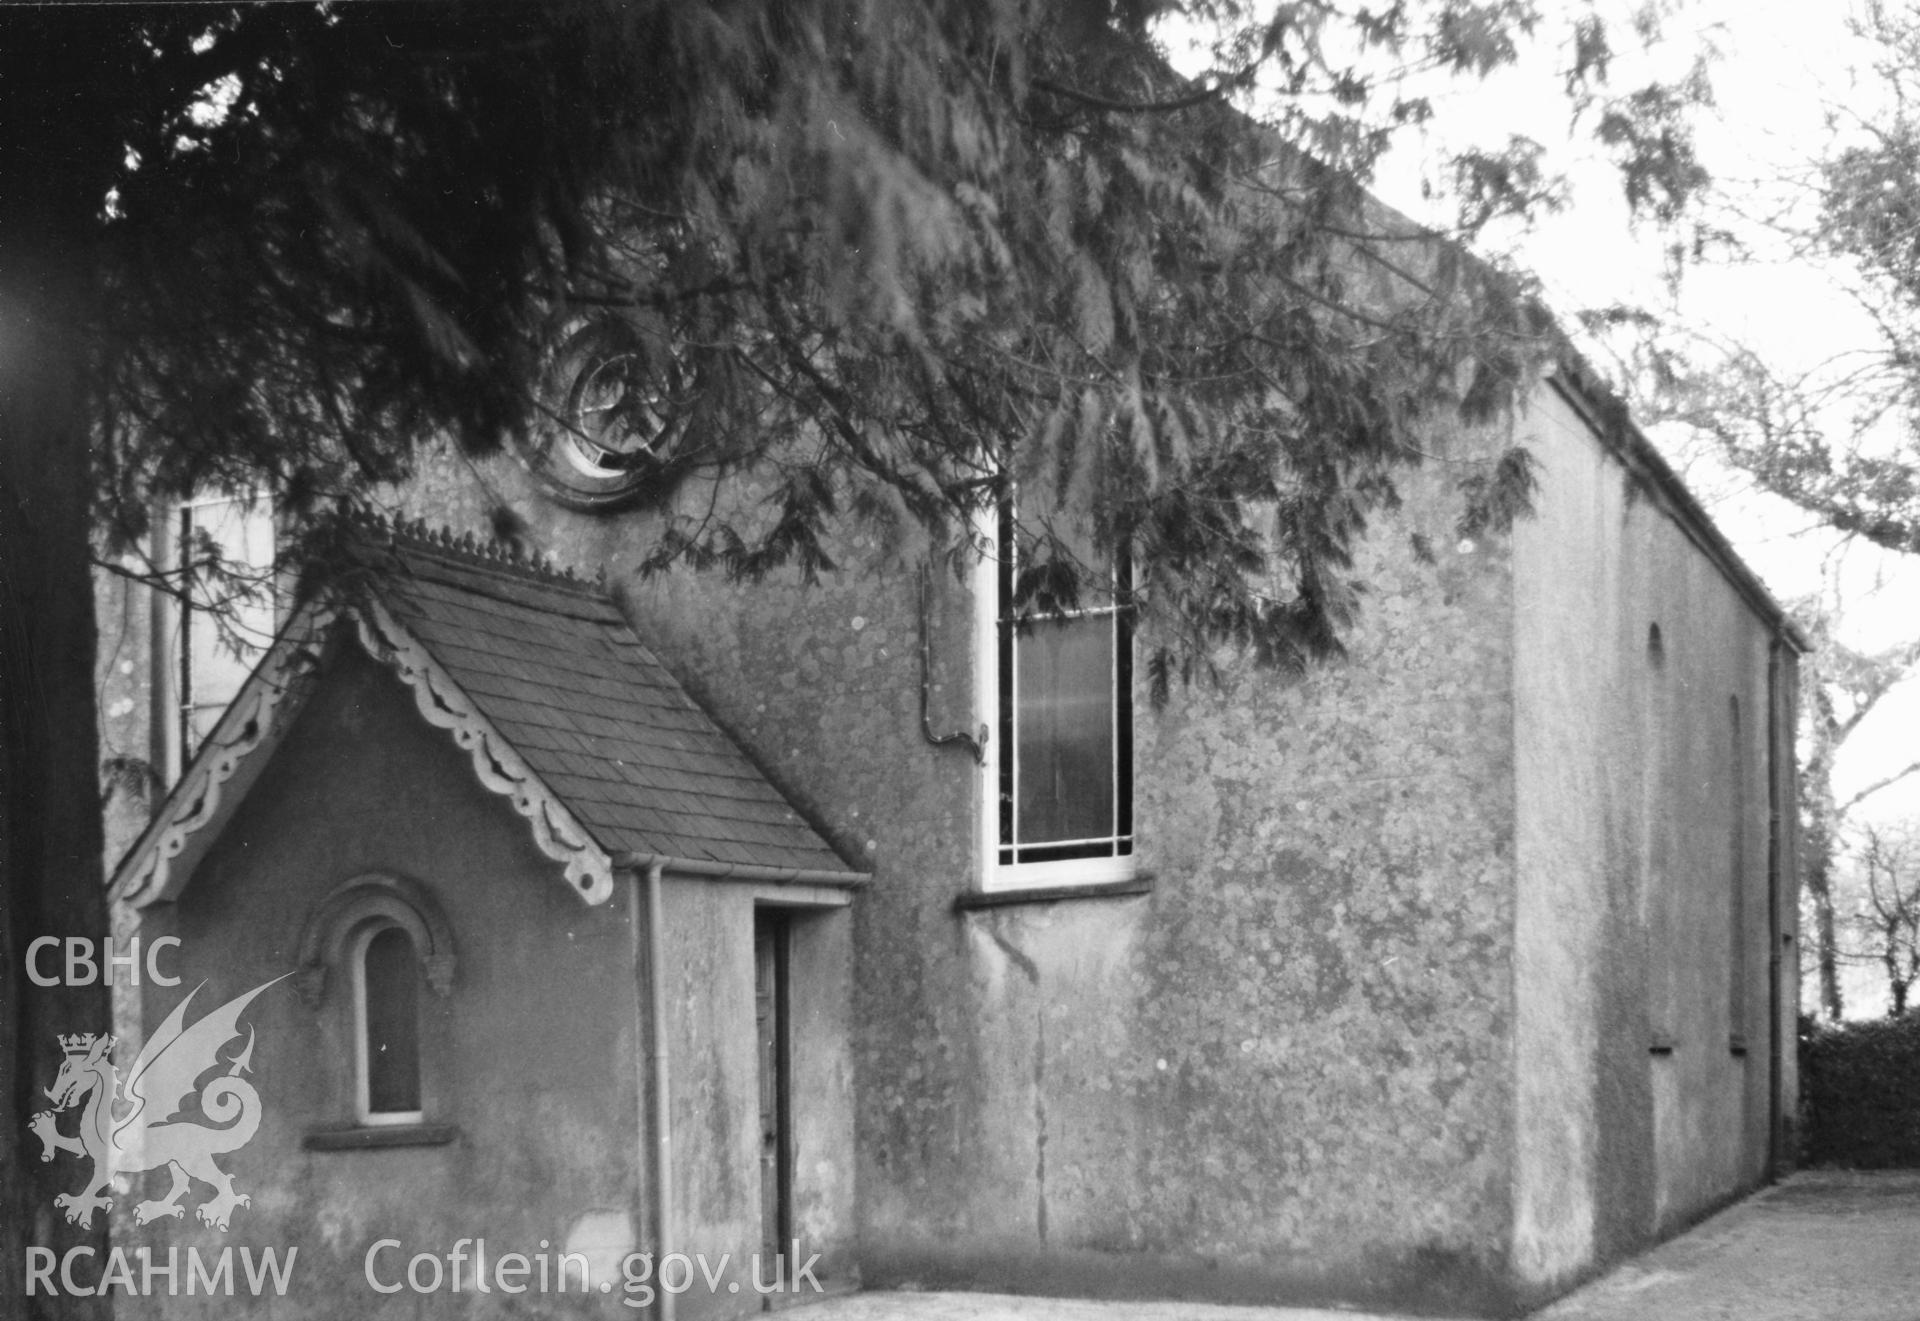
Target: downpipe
663, 1207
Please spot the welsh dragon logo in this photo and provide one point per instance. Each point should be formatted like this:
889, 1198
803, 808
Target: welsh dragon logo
137, 1126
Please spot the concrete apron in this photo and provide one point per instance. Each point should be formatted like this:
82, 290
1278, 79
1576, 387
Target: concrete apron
1008, 1307
1823, 1245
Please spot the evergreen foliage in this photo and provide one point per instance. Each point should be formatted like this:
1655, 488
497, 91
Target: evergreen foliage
1860, 1093
894, 255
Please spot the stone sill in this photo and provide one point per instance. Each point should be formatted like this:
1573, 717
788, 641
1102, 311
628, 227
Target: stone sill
1047, 894
376, 1136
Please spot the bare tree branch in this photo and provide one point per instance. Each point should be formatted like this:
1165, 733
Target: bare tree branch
1874, 788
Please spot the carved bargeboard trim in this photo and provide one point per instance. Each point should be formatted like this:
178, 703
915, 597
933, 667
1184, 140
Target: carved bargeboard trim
556, 831
261, 710
257, 713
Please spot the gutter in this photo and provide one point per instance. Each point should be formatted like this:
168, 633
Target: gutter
1609, 419
1607, 414
741, 871
1776, 1027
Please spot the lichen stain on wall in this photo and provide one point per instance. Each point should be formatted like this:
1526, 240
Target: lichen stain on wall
1325, 976
1634, 1112
1291, 1055
363, 785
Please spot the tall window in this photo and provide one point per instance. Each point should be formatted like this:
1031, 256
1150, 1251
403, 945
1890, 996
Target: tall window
386, 1015
1737, 891
213, 638
1061, 698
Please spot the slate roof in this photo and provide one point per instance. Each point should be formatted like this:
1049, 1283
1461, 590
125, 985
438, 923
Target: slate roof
558, 671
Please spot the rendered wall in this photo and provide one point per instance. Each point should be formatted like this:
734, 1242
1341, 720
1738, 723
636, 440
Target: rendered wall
1330, 1055
1641, 964
532, 1056
714, 1085
1281, 1074
538, 1056
123, 675
124, 680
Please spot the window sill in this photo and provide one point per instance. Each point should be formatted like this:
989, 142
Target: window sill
380, 1135
1141, 883
1057, 874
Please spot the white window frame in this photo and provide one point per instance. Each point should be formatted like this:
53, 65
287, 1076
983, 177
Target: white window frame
1062, 873
174, 624
362, 1073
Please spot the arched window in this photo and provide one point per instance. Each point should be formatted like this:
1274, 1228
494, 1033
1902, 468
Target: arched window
386, 1020
1737, 891
369, 953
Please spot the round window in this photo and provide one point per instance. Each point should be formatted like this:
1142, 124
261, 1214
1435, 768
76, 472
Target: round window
615, 418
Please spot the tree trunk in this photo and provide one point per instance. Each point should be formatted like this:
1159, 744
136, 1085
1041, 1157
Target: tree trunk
50, 831
1819, 887
1818, 814
50, 837
1896, 989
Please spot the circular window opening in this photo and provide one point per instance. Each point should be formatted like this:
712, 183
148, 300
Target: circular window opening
616, 416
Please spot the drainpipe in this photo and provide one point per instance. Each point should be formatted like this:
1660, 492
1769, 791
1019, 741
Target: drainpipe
1778, 1039
662, 1121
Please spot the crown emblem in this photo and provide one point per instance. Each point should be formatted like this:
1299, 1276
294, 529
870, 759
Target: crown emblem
166, 1077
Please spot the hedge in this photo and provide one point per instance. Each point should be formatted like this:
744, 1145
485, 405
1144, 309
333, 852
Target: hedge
1860, 1093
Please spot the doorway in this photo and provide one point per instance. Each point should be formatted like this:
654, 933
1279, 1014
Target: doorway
772, 931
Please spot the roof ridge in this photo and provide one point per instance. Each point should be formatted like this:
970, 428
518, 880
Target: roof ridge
506, 558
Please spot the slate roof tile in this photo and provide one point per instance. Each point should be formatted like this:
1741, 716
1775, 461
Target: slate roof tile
561, 675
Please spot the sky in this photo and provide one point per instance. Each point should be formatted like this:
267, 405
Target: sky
1791, 80
1789, 76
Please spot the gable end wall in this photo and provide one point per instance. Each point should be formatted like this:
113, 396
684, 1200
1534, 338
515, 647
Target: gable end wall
1642, 802
531, 1057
